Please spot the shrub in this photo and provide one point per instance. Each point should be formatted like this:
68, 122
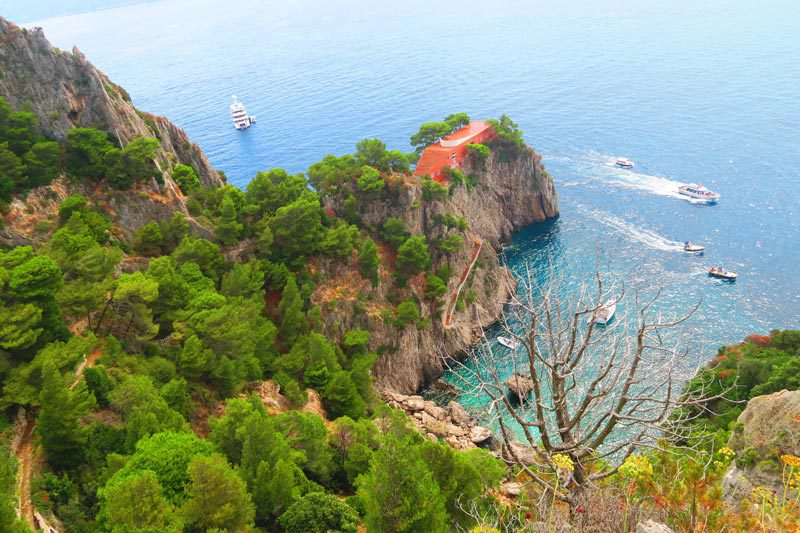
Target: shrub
407, 312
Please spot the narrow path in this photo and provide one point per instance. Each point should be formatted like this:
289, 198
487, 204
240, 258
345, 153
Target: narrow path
453, 299
88, 361
24, 451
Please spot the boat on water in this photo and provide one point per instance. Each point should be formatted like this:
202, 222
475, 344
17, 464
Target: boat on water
604, 313
721, 273
624, 162
699, 192
508, 342
692, 248
241, 120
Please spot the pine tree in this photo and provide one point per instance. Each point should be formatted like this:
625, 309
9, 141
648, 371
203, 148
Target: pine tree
228, 227
291, 312
61, 408
369, 260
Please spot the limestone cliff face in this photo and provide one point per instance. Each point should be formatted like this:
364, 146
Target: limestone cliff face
507, 197
65, 90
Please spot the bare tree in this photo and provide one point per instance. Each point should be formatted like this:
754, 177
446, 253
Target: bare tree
597, 392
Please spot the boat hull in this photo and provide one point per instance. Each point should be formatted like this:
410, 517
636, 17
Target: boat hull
725, 276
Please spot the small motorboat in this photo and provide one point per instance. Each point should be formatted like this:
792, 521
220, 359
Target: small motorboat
699, 192
624, 162
692, 248
721, 273
604, 313
508, 342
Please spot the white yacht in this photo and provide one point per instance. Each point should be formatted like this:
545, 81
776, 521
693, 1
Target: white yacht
241, 120
624, 162
604, 313
508, 342
693, 248
698, 191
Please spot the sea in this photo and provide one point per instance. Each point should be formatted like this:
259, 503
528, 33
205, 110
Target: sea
705, 92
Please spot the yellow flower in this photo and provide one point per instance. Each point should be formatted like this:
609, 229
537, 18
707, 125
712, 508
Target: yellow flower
563, 462
763, 495
636, 466
727, 452
791, 460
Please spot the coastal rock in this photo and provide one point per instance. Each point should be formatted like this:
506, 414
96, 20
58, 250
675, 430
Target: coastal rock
415, 403
520, 386
435, 411
769, 423
518, 453
457, 413
479, 435
509, 195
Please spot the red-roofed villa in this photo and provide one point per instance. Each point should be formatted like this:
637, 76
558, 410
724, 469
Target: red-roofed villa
451, 150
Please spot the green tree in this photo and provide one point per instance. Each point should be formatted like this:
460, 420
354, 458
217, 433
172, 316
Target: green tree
394, 231
85, 154
194, 359
297, 227
451, 244
148, 240
369, 260
435, 287
413, 256
370, 180
186, 177
274, 189
407, 312
205, 254
245, 280
139, 156
508, 137
70, 205
290, 309
216, 496
433, 190
399, 161
43, 162
372, 152
457, 121
132, 297
173, 231
12, 171
399, 492
228, 228
61, 435
137, 503
342, 398
339, 240
319, 513
429, 133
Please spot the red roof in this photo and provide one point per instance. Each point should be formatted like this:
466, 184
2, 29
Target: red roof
451, 150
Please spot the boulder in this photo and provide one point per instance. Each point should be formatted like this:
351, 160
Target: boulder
414, 403
432, 437
458, 414
511, 489
769, 423
520, 453
435, 411
479, 434
520, 386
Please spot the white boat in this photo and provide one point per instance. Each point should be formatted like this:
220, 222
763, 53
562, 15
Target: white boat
604, 313
241, 120
721, 273
692, 248
698, 191
508, 342
624, 162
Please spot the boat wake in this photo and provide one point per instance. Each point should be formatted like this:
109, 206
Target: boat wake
603, 167
649, 238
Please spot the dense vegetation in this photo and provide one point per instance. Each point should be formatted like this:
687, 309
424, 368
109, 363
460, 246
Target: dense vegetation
184, 331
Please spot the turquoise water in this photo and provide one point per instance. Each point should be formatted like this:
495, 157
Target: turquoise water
691, 91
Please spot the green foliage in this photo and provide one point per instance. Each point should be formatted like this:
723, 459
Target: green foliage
370, 180
139, 158
434, 287
186, 177
342, 397
431, 132
203, 253
319, 513
340, 240
291, 313
508, 137
394, 231
369, 260
452, 221
228, 229
269, 191
148, 240
216, 496
137, 503
433, 190
480, 151
61, 435
407, 312
333, 172
70, 205
372, 153
86, 153
297, 227
413, 256
451, 244
399, 492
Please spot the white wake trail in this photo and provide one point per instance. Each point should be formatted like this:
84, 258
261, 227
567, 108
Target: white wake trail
644, 236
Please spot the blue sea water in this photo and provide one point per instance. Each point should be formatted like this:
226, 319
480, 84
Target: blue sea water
692, 91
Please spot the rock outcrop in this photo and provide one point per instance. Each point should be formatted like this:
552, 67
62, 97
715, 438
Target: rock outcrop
768, 428
509, 195
449, 424
520, 386
65, 90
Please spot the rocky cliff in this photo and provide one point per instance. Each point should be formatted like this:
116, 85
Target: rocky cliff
64, 90
508, 196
